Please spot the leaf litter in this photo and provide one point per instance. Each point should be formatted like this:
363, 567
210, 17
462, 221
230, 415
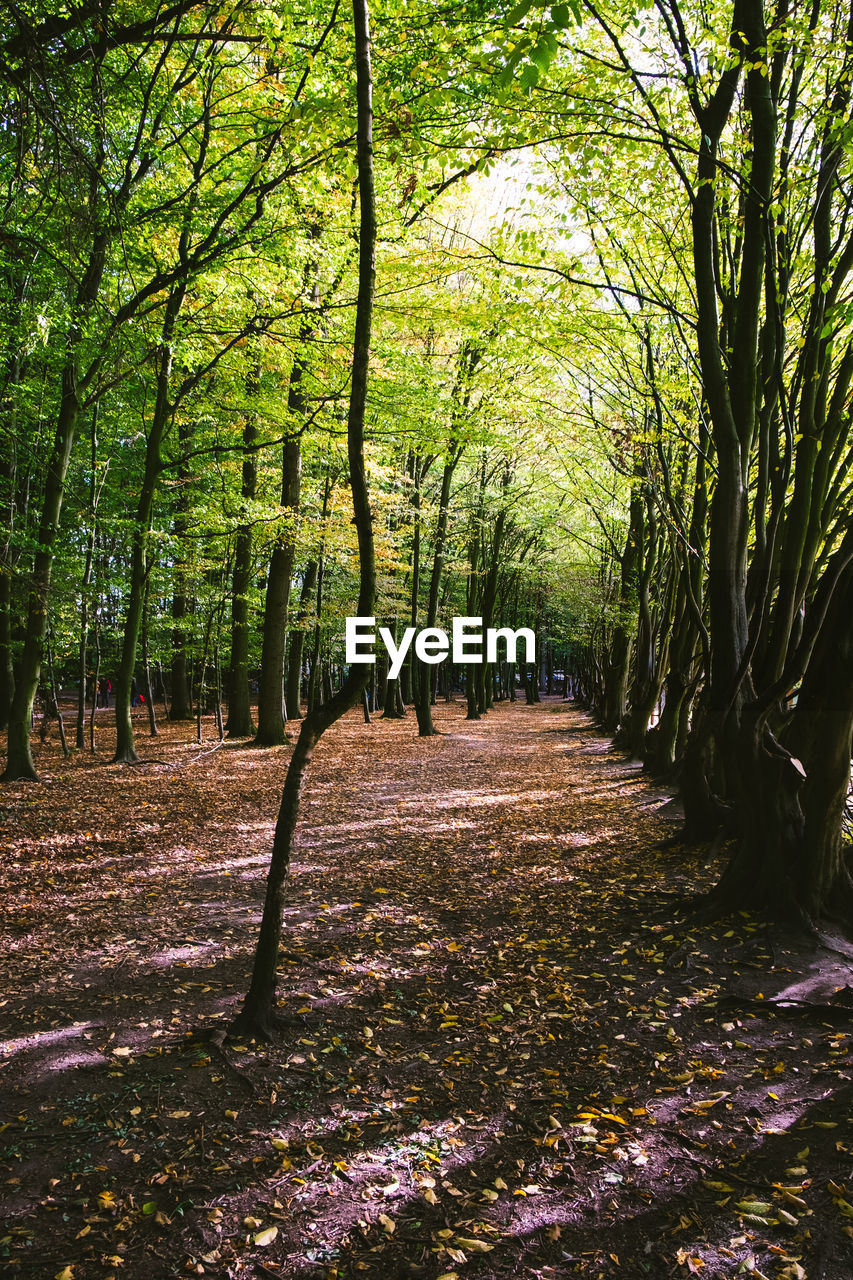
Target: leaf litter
512, 1052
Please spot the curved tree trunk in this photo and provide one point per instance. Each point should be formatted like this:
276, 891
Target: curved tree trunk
257, 1016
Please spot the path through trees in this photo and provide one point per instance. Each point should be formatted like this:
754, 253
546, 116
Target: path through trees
505, 1057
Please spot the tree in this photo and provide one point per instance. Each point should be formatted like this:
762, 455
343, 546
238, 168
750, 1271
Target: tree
257, 1016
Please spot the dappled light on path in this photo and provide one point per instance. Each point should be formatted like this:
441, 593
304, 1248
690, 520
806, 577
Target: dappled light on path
509, 1053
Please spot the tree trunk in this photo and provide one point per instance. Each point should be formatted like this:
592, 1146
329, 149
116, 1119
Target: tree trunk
271, 709
146, 662
83, 652
125, 746
618, 666
52, 701
409, 673
789, 859
19, 760
296, 642
181, 703
258, 1013
95, 678
8, 480
423, 672
393, 708
239, 702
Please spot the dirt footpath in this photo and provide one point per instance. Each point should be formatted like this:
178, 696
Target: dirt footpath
511, 1053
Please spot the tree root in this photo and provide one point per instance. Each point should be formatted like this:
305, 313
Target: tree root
828, 1012
262, 1025
215, 1037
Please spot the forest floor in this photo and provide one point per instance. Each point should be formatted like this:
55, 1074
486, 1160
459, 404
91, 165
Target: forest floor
514, 1055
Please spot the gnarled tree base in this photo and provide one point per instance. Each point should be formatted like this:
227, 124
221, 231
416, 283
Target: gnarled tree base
262, 1024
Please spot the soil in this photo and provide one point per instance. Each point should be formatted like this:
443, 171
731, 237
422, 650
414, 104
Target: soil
512, 1050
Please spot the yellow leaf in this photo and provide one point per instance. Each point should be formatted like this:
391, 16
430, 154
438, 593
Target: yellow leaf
705, 1104
474, 1246
266, 1236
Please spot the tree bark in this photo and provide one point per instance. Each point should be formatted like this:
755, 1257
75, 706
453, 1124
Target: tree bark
239, 702
423, 672
8, 479
180, 707
296, 642
125, 746
271, 709
257, 1015
19, 760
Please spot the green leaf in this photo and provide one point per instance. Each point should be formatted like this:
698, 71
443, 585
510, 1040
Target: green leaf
520, 11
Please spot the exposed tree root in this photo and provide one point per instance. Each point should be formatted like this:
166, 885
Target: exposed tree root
262, 1025
830, 1012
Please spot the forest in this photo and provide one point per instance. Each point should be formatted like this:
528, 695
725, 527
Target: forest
422, 326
